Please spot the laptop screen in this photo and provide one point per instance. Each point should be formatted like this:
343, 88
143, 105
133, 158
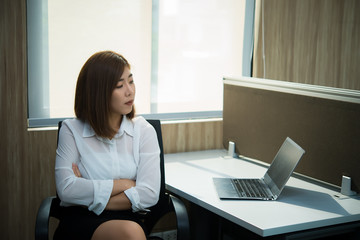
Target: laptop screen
284, 163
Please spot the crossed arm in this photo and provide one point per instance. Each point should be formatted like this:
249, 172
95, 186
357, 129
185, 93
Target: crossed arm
118, 199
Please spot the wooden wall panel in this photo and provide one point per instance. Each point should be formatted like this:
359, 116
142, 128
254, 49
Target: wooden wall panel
192, 136
40, 161
306, 41
15, 219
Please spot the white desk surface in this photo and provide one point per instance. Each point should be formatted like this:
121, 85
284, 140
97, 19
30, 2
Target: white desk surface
301, 206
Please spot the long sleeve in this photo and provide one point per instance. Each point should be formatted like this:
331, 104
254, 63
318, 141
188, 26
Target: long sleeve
72, 190
146, 192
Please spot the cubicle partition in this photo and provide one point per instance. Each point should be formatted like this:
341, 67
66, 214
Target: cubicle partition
259, 114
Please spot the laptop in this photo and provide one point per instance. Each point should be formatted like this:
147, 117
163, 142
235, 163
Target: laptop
268, 187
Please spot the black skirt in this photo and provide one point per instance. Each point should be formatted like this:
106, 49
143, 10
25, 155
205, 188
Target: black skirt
80, 223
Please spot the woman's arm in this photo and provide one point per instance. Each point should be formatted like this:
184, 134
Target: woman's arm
118, 200
120, 185
147, 155
72, 190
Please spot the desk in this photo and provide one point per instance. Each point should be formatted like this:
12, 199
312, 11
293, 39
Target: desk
302, 207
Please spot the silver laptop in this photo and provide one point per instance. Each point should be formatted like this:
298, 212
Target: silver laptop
268, 187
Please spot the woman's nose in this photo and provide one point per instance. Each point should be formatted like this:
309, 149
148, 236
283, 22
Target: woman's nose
129, 90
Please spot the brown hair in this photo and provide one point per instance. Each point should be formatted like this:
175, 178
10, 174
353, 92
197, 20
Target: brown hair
96, 82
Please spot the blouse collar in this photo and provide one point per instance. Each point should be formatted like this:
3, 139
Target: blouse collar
125, 127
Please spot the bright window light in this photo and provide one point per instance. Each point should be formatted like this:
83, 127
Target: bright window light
179, 50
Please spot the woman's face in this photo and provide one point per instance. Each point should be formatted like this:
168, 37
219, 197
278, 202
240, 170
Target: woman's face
122, 98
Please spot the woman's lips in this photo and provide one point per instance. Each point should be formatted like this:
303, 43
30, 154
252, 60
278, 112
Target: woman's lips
130, 102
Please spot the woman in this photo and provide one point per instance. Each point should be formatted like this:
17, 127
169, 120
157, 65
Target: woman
107, 161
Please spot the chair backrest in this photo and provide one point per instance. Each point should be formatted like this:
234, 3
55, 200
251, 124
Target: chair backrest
157, 126
59, 126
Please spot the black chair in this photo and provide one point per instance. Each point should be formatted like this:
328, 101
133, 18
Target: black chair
50, 207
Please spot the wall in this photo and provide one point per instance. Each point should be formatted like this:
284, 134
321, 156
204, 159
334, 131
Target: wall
15, 165
306, 41
192, 136
27, 157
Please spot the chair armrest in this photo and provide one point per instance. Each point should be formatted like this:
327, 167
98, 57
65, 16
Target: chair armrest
42, 219
182, 219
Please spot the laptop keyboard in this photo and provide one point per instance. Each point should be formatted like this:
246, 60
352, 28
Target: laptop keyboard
250, 188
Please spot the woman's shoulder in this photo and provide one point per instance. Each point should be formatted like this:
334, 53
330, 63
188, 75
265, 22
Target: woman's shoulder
139, 120
73, 124
141, 123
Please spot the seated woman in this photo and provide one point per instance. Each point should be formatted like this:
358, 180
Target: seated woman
107, 161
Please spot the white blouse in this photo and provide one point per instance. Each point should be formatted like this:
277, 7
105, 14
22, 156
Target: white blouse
132, 154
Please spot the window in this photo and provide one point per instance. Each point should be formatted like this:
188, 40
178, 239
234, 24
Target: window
179, 51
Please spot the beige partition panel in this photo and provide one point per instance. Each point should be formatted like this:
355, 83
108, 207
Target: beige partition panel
258, 119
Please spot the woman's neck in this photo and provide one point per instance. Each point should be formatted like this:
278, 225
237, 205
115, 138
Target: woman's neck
115, 122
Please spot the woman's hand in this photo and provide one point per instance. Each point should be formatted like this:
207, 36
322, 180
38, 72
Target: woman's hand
76, 170
120, 185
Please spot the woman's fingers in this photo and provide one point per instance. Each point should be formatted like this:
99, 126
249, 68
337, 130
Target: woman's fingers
76, 170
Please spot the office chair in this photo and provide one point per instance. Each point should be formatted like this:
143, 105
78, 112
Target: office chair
50, 206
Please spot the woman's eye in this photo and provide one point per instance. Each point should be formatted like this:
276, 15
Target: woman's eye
119, 86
